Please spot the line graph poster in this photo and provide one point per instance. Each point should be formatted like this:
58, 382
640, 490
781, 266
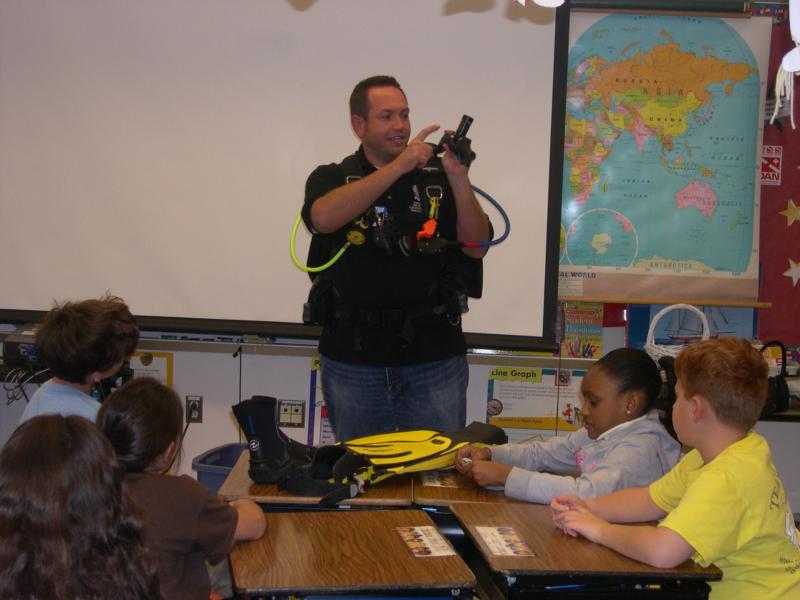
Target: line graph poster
527, 401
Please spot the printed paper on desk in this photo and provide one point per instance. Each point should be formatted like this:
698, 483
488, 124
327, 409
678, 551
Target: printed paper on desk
504, 541
440, 479
425, 541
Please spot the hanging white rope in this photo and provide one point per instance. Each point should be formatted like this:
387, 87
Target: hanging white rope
784, 84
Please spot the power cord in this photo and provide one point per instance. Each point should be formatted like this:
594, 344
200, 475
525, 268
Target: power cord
15, 381
238, 354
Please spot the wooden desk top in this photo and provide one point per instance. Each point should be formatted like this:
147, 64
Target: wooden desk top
556, 553
467, 491
342, 551
395, 491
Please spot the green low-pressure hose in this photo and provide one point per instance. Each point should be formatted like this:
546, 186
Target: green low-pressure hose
297, 262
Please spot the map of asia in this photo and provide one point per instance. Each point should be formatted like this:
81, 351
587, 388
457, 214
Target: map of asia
660, 151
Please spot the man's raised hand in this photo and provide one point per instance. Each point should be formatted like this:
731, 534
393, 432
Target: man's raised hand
417, 153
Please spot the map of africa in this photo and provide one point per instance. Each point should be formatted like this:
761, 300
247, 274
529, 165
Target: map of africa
660, 146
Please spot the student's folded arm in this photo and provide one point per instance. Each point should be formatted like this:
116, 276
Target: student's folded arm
625, 467
656, 546
632, 505
556, 454
537, 487
600, 482
524, 456
543, 487
251, 523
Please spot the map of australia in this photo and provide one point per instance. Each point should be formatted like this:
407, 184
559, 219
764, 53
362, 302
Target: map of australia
660, 146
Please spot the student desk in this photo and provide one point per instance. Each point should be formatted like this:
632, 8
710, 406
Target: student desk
457, 489
344, 552
437, 501
392, 493
563, 566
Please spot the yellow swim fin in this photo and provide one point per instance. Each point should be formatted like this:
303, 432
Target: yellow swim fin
341, 470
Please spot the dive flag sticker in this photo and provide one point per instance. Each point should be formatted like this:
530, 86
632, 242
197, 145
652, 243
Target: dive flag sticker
771, 165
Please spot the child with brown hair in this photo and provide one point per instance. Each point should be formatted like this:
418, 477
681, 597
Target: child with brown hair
81, 343
185, 523
723, 504
67, 527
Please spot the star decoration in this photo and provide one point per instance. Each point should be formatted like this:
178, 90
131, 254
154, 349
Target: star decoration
793, 271
792, 213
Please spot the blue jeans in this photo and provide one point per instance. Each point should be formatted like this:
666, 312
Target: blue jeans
364, 399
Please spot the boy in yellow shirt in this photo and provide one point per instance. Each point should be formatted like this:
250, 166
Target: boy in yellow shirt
723, 503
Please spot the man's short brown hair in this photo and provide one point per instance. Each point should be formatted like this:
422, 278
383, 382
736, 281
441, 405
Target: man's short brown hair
730, 374
359, 104
79, 338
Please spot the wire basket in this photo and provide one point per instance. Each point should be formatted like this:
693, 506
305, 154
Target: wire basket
657, 351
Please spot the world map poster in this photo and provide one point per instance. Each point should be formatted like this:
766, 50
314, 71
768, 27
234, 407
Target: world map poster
664, 121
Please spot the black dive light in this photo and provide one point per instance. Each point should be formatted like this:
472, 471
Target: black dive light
458, 142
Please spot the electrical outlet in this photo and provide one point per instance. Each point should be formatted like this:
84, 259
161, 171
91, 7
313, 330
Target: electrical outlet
291, 413
194, 409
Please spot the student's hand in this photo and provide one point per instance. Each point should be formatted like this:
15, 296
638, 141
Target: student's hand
251, 524
471, 453
580, 520
417, 154
565, 502
487, 473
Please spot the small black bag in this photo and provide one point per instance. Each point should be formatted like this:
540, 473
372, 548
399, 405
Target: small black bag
666, 398
777, 388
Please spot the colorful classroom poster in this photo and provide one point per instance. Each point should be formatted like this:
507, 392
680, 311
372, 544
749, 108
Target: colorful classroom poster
583, 330
153, 364
320, 434
326, 436
530, 401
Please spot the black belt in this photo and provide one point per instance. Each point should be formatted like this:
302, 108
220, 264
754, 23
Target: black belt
401, 321
388, 317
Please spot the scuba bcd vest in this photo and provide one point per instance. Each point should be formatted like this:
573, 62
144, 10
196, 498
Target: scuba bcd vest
343, 470
391, 229
461, 277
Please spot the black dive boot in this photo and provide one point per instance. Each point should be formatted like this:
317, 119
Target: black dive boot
272, 453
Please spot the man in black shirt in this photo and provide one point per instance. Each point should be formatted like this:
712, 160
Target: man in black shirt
392, 350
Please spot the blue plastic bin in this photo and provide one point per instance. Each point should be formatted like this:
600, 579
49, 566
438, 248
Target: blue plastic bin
213, 465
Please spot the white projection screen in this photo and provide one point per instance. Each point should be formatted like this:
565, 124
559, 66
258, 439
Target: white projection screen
158, 149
